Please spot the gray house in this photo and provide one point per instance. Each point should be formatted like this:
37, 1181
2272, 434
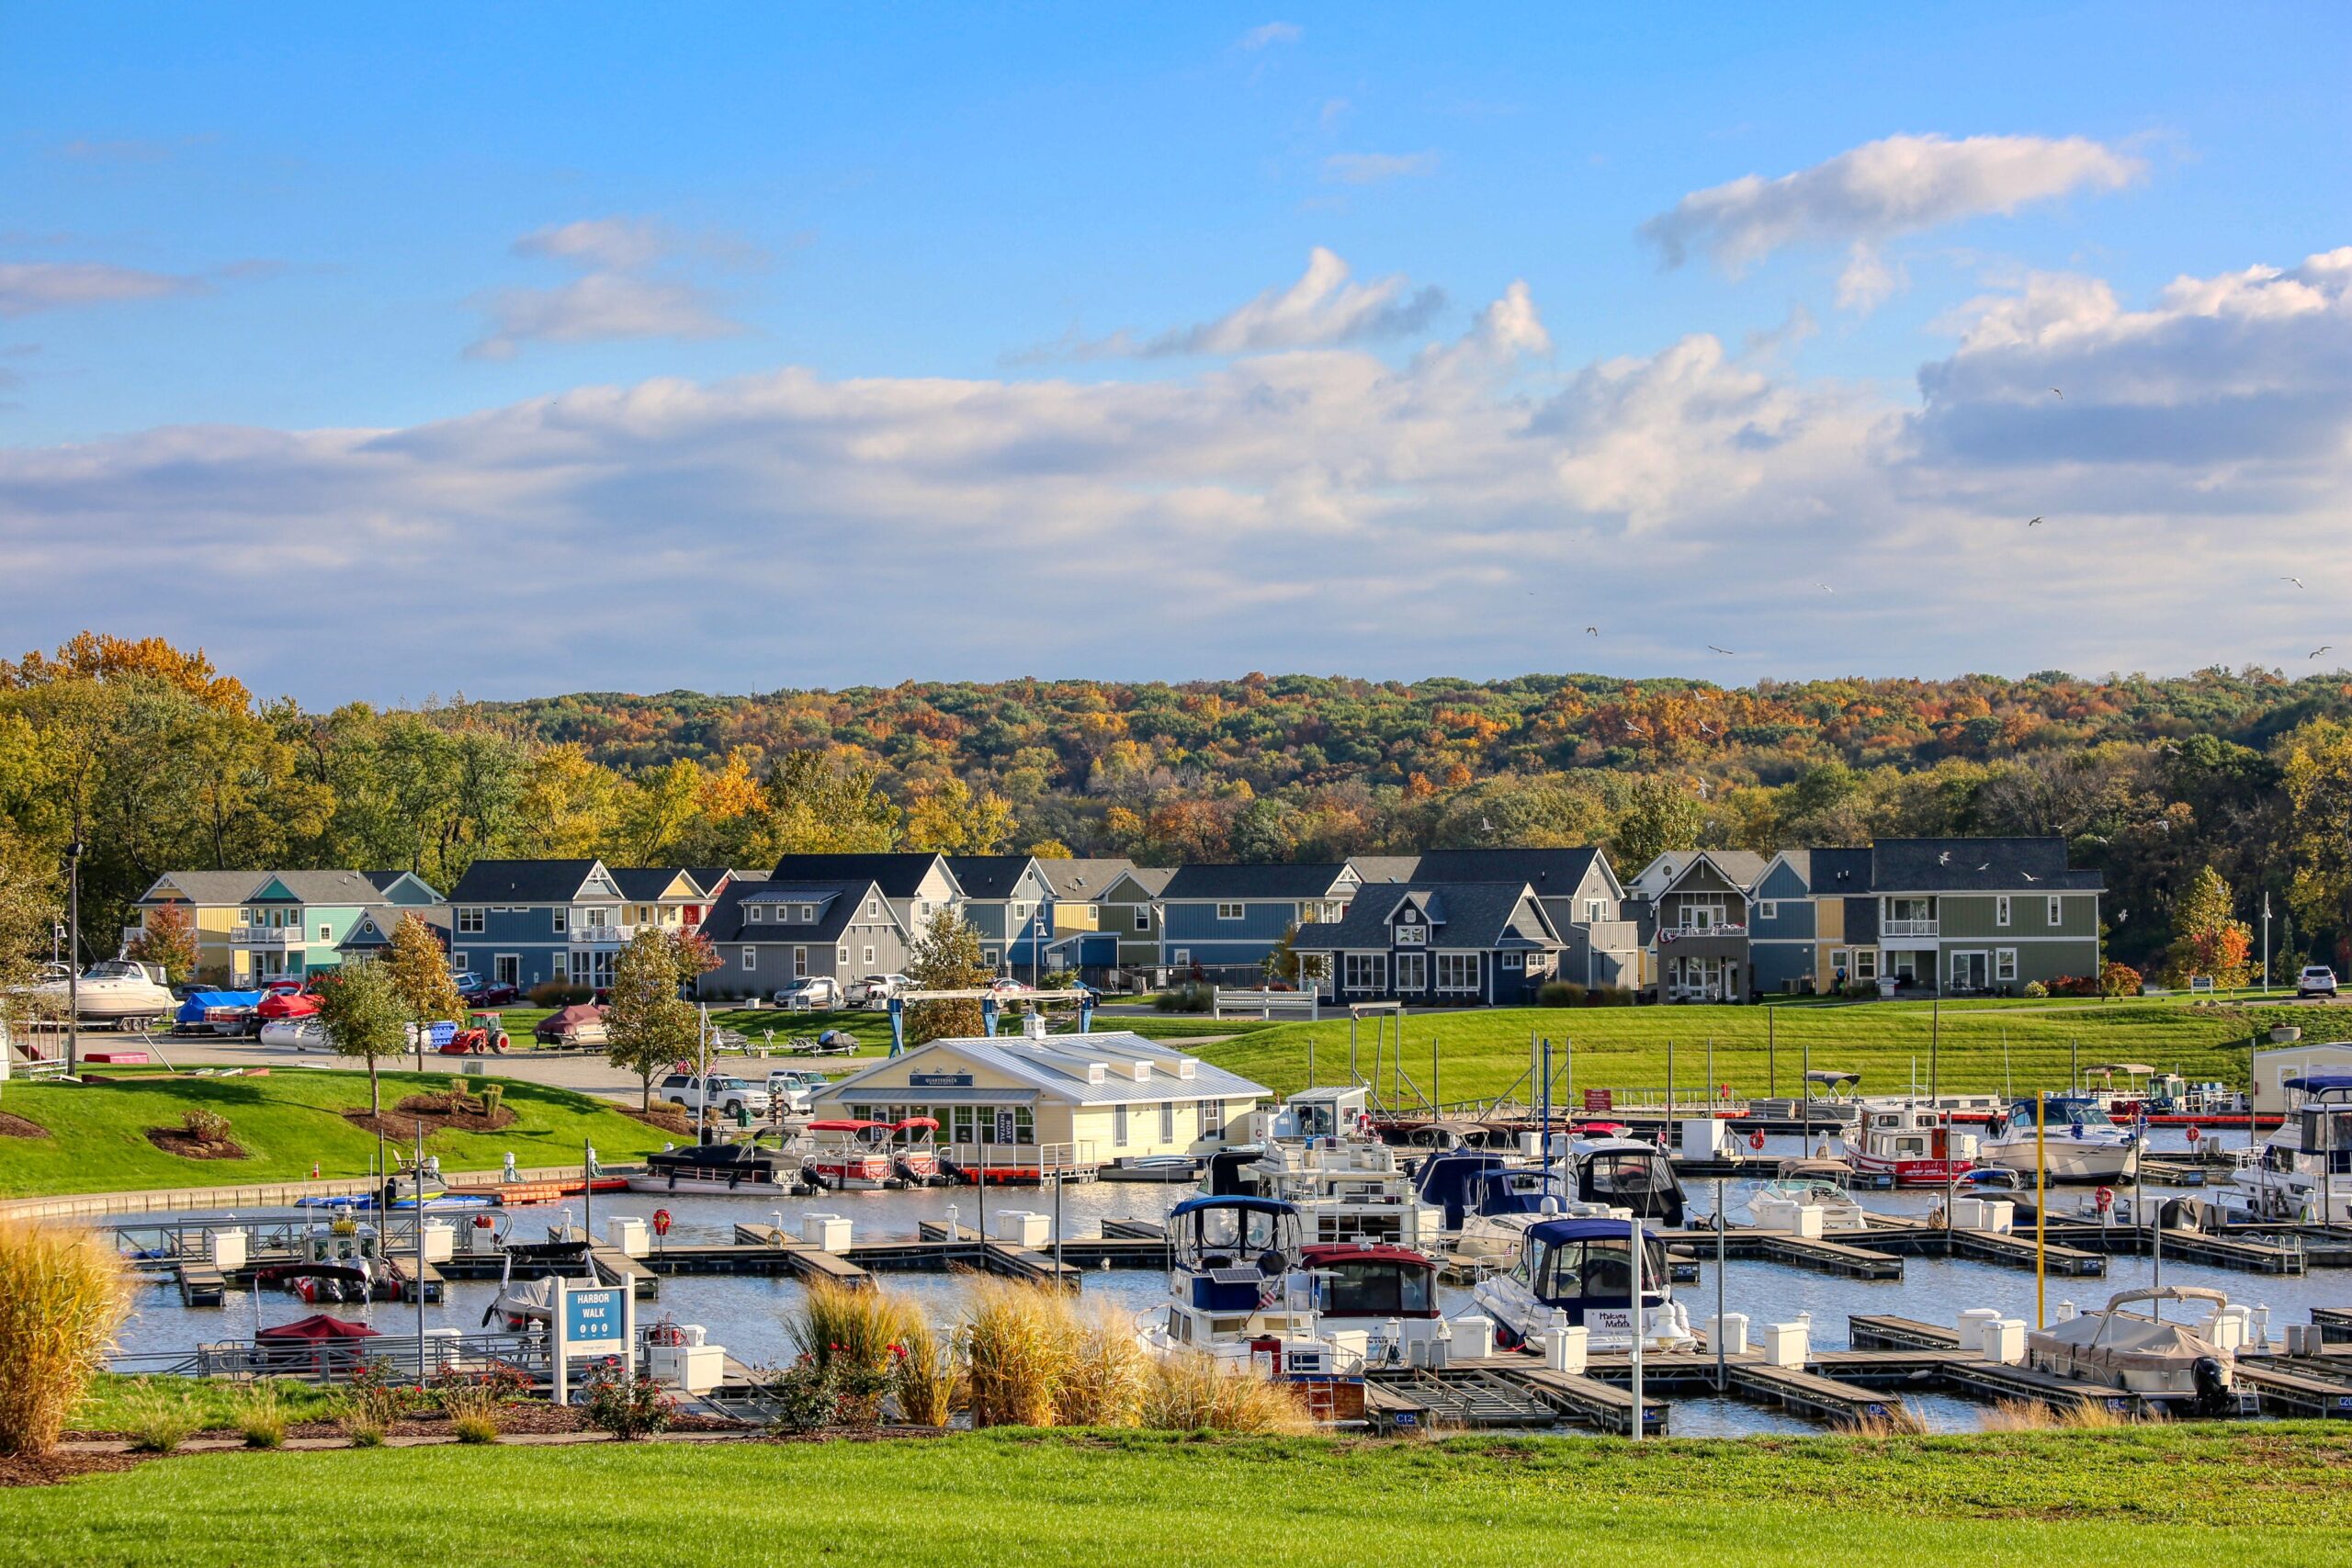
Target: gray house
1007, 899
1703, 914
916, 883
1579, 888
1128, 908
1437, 944
768, 934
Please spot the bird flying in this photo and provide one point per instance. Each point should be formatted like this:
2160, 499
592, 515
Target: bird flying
2059, 395
1592, 631
2028, 876
2296, 580
2317, 651
1944, 859
2033, 521
1713, 649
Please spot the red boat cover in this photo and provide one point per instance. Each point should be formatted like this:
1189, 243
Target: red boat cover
318, 1326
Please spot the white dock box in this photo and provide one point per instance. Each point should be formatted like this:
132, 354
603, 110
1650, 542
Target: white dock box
826, 1232
694, 1368
1567, 1349
626, 1234
1972, 1324
1704, 1137
1023, 1228
1730, 1331
227, 1248
1805, 1224
1787, 1344
440, 1239
1474, 1337
2003, 1341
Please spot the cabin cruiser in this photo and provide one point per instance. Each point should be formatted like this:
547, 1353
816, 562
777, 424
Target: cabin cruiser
341, 1260
2079, 1140
2303, 1172
1485, 1200
1583, 1266
128, 995
1237, 1295
1911, 1145
1801, 1184
1350, 1187
2140, 1352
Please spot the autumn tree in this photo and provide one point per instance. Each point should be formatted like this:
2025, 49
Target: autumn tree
365, 1014
649, 1023
946, 957
2207, 937
29, 904
419, 973
818, 806
1658, 815
946, 815
2317, 770
166, 939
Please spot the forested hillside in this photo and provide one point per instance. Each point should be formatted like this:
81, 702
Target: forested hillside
158, 760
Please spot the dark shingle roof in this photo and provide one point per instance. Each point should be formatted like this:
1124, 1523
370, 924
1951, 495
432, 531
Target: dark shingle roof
1465, 914
1242, 882
1829, 872
644, 884
521, 881
988, 876
1554, 874
898, 875
1083, 878
1987, 865
837, 904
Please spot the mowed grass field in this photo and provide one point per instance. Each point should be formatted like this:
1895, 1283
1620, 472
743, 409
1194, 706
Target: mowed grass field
284, 1119
2237, 1494
1759, 1050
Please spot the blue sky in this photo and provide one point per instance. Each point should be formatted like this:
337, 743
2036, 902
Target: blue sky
687, 314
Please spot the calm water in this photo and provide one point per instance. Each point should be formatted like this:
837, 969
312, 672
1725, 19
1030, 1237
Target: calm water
746, 1315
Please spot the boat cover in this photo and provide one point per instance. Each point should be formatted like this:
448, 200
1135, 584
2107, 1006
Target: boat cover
2122, 1341
199, 1003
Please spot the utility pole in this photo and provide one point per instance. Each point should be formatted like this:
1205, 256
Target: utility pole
73, 958
417, 1284
2266, 941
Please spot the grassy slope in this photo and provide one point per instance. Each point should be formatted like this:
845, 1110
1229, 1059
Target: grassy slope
2244, 1494
114, 1403
1483, 1052
285, 1121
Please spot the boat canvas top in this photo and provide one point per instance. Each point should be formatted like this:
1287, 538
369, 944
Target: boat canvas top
2317, 1084
2130, 1341
1322, 1255
1554, 1231
1252, 1205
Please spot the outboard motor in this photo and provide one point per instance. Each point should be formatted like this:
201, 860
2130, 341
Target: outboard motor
2214, 1396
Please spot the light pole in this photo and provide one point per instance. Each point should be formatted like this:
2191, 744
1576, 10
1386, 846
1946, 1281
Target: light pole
74, 957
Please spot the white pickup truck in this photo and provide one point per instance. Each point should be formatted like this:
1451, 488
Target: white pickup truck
722, 1092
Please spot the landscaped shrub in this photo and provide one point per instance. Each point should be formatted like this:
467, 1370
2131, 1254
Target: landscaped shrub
260, 1417
362, 1433
559, 994
2119, 980
924, 1380
379, 1396
856, 1337
1190, 1393
475, 1429
1103, 1383
1610, 996
63, 1294
205, 1126
160, 1422
1013, 1347
628, 1408
2035, 988
1190, 996
1560, 994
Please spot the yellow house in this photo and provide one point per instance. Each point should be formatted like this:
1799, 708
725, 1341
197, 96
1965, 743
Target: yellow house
1036, 1102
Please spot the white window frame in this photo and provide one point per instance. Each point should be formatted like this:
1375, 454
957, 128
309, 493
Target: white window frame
2005, 966
1119, 1126
472, 920
869, 959
514, 964
2001, 910
1515, 959
1143, 917
751, 958
459, 962
562, 922
994, 960
1366, 971
758, 914
841, 953
1866, 958
1417, 965
1166, 1120
1232, 911
808, 914
1768, 909
1464, 981
1212, 1114
1594, 909
2056, 915
873, 907
326, 933
800, 964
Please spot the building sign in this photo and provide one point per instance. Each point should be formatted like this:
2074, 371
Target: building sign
1600, 1100
939, 1080
1004, 1124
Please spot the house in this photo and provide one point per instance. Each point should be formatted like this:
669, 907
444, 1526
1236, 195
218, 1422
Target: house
1702, 909
1080, 937
916, 883
1811, 924
1078, 1098
1437, 944
1230, 917
1581, 894
669, 898
1129, 909
213, 901
769, 933
290, 924
527, 923
371, 933
1978, 915
1007, 899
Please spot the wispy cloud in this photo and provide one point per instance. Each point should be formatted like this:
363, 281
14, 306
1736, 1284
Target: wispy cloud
1371, 168
27, 288
634, 282
1902, 185
1267, 33
1321, 309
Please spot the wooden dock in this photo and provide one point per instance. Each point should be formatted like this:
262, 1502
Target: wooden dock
1875, 1331
201, 1285
807, 1262
2335, 1324
2018, 1252
615, 1267
1840, 1254
2292, 1391
1808, 1394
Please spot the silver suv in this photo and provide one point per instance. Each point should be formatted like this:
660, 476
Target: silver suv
2316, 980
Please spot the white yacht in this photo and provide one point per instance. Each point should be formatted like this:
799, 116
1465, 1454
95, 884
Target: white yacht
128, 995
2302, 1172
1583, 1268
1802, 1184
2079, 1142
1317, 1154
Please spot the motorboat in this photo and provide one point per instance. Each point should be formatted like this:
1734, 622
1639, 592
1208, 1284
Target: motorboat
2301, 1173
407, 1189
307, 1033
850, 1154
2080, 1142
720, 1168
128, 994
217, 1013
1582, 1268
1627, 1173
1387, 1293
1799, 1185
279, 1002
1911, 1145
2142, 1352
1319, 1154
1485, 1200
914, 1150
341, 1260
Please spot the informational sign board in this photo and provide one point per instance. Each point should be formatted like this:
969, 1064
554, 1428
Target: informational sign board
1600, 1099
1003, 1125
592, 1320
939, 1080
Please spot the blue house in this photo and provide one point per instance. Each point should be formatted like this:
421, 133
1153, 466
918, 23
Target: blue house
1007, 899
525, 922
1225, 920
1437, 944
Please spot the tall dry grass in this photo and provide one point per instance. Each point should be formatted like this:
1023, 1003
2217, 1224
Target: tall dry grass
2033, 1416
1015, 1346
1102, 1380
62, 1294
1903, 1419
857, 1327
924, 1379
1189, 1393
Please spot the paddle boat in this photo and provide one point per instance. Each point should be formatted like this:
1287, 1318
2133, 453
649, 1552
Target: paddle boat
849, 1153
1583, 1266
743, 1168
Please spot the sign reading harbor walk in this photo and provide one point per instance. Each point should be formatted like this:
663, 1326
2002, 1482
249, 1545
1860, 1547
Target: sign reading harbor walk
592, 1320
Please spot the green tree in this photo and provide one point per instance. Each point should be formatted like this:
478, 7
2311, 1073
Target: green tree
420, 975
2208, 938
649, 1024
818, 806
28, 903
1657, 816
365, 1014
946, 957
2318, 775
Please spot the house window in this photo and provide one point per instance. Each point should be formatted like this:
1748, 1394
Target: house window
868, 960
1228, 911
1314, 966
1019, 912
469, 921
808, 913
1212, 1114
1839, 962
326, 933
757, 914
1119, 1125
841, 955
1166, 1120
1514, 961
799, 963
1594, 910
1866, 964
1768, 909
1143, 917
989, 957
2001, 910
873, 907
1412, 972
2005, 965
1698, 915
2056, 914
1457, 971
507, 969
1367, 971
460, 961
752, 961
563, 921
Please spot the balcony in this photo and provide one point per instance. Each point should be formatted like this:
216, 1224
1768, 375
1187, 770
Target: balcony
277, 937
1906, 928
605, 936
1718, 928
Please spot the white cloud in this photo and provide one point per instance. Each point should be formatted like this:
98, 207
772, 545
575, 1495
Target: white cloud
1902, 185
622, 242
29, 287
1869, 279
1284, 511
1322, 309
1371, 168
1267, 33
624, 290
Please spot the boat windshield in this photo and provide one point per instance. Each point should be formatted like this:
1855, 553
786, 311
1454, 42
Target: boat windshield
114, 969
1372, 1288
2089, 1116
1628, 1173
1238, 1230
1598, 1268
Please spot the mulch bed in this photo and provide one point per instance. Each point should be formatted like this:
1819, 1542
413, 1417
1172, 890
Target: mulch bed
18, 1127
24, 1470
668, 1117
178, 1141
433, 1111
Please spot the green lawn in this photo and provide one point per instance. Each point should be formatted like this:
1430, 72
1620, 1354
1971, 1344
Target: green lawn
2270, 1494
2000, 1046
114, 1403
284, 1119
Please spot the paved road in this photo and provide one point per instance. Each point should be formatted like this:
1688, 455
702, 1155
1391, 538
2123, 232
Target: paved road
586, 1073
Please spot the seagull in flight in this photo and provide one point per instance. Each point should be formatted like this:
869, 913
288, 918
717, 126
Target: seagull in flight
1592, 631
2296, 580
1705, 729
1944, 859
1638, 730
1825, 588
1986, 866
2317, 651
1725, 651
2059, 395
2121, 915
2028, 876
2033, 521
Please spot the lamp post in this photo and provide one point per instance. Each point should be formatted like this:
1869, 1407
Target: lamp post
74, 957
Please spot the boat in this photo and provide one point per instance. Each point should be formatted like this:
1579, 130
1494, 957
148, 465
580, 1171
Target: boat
1388, 1293
2079, 1141
1582, 1268
1910, 1146
849, 1153
1835, 1106
743, 1168
2140, 1352
914, 1150
1627, 1173
116, 990
217, 1013
342, 1260
406, 1188
1320, 1155
2301, 1173
1801, 1184
282, 1003
304, 1033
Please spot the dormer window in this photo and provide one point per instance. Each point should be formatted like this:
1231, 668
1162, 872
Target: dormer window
808, 913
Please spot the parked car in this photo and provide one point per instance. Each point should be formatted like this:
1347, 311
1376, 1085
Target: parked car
1005, 985
793, 1091
479, 992
720, 1092
2316, 980
876, 990
811, 992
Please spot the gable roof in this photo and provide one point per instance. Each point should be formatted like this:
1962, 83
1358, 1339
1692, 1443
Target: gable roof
1739, 867
1554, 874
373, 929
1275, 880
205, 887
1150, 881
1462, 914
898, 875
835, 905
522, 881
1962, 866
321, 888
1084, 1069
1385, 868
989, 877
709, 877
1083, 878
650, 884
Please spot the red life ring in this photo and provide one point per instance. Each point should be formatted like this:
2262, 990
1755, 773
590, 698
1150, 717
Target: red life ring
2194, 1135
1755, 1141
661, 1222
2105, 1197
